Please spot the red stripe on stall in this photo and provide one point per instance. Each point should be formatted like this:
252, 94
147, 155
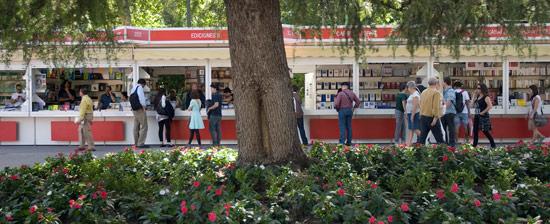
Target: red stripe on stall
65, 131
8, 131
180, 130
368, 128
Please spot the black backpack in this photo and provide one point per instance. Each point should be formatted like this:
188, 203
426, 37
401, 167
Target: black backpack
459, 102
168, 109
134, 100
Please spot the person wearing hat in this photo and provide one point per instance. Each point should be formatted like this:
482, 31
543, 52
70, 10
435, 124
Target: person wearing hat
346, 102
214, 112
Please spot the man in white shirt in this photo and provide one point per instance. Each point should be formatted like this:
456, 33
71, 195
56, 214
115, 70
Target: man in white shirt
18, 97
462, 117
140, 117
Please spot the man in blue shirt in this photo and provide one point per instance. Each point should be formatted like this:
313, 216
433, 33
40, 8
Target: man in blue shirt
215, 115
106, 99
449, 97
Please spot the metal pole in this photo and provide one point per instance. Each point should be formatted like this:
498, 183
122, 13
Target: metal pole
188, 13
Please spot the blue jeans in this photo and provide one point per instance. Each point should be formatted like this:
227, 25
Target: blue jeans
215, 129
300, 122
344, 124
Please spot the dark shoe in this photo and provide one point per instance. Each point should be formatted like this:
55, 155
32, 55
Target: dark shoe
163, 145
92, 150
144, 147
81, 149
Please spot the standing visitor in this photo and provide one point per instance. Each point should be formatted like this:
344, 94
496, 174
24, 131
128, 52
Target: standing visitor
430, 112
462, 116
84, 121
344, 104
188, 98
165, 114
214, 112
299, 113
419, 85
174, 99
400, 102
137, 101
536, 116
482, 121
412, 108
448, 119
106, 99
195, 121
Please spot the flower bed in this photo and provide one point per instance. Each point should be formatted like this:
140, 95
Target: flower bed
361, 184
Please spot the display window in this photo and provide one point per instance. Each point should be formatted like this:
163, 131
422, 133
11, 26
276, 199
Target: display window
58, 88
222, 77
379, 83
472, 73
177, 81
328, 79
13, 93
522, 75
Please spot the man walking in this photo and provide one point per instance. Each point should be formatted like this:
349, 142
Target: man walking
430, 112
85, 120
448, 120
344, 104
214, 112
462, 117
299, 113
137, 100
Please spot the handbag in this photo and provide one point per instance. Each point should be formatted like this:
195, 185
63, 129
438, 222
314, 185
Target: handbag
540, 120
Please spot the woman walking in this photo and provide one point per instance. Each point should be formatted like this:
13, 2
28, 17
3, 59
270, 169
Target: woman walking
163, 117
400, 101
412, 111
195, 122
536, 117
482, 105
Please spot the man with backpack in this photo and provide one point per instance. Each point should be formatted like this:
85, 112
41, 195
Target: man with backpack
448, 120
137, 101
462, 111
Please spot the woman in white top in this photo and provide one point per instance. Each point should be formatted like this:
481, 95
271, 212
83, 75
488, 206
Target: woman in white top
535, 110
412, 110
163, 120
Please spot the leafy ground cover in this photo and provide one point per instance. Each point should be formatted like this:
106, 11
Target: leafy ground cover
360, 184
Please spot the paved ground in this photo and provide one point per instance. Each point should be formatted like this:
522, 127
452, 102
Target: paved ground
12, 156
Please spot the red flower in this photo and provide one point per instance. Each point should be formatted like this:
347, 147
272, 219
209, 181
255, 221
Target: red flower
227, 207
183, 203
380, 222
509, 194
341, 192
339, 183
346, 149
496, 197
50, 210
218, 192
209, 188
454, 188
184, 210
9, 218
440, 194
14, 177
141, 152
82, 197
532, 147
445, 158
65, 170
33, 209
94, 195
477, 203
74, 204
390, 219
196, 184
374, 186
372, 220
103, 195
212, 217
451, 149
77, 206
405, 207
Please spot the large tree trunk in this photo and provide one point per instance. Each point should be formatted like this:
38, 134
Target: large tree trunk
266, 125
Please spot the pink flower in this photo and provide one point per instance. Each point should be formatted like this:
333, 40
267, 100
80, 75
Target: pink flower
212, 217
341, 192
440, 194
445, 158
209, 188
451, 149
496, 197
82, 197
346, 149
94, 195
227, 207
33, 209
50, 210
372, 220
374, 186
103, 195
405, 207
183, 203
193, 207
380, 222
9, 218
509, 194
141, 152
196, 184
454, 188
184, 210
339, 183
477, 203
390, 219
218, 192
14, 177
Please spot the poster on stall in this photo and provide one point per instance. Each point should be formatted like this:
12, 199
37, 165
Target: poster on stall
40, 83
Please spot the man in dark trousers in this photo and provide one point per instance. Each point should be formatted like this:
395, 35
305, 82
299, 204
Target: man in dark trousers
346, 102
430, 113
299, 112
214, 112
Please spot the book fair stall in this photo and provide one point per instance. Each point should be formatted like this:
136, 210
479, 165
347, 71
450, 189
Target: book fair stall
38, 101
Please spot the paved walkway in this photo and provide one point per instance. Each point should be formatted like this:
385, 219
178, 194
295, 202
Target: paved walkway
13, 156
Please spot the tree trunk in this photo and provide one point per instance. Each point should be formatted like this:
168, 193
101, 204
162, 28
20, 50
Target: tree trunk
266, 125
